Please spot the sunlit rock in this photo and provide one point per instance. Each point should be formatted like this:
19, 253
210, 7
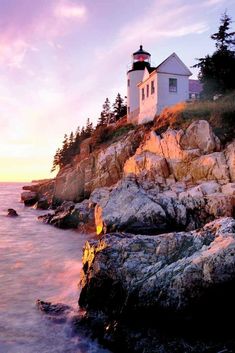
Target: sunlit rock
199, 135
210, 167
147, 163
230, 157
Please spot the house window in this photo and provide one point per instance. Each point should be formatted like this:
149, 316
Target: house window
147, 90
128, 82
152, 87
172, 84
143, 94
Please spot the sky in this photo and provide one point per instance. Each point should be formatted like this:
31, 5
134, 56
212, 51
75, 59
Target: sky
60, 59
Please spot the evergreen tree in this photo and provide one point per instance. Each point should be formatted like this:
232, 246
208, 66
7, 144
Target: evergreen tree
56, 160
71, 139
217, 71
64, 151
119, 109
224, 39
83, 134
107, 113
89, 128
102, 120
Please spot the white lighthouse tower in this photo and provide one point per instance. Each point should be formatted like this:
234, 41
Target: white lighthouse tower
140, 60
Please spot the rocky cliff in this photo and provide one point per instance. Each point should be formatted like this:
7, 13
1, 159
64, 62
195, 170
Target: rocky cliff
149, 183
163, 205
103, 167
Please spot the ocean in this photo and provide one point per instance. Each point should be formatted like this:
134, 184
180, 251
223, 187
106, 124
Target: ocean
37, 261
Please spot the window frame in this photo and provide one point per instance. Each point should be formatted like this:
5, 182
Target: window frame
147, 90
173, 88
142, 94
152, 87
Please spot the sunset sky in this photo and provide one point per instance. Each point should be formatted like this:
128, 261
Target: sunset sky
60, 59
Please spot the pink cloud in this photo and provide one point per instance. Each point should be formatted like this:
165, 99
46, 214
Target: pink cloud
70, 11
24, 23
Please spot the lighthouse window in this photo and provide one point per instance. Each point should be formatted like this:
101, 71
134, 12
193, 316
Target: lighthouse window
147, 90
143, 94
128, 82
172, 84
152, 87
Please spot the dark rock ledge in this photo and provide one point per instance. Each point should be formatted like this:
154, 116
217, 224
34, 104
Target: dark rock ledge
168, 293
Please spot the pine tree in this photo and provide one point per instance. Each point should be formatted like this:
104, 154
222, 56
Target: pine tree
224, 39
119, 109
64, 151
71, 139
102, 120
89, 128
106, 112
217, 71
56, 160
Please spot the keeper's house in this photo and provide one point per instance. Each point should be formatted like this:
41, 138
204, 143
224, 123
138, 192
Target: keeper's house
150, 89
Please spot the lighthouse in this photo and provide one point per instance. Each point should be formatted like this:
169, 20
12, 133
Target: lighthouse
141, 59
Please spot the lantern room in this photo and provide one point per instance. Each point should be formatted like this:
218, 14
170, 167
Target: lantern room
141, 59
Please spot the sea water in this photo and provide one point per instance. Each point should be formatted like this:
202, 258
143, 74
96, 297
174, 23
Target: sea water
37, 261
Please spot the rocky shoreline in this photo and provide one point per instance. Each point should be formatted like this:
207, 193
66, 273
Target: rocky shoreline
135, 287
161, 275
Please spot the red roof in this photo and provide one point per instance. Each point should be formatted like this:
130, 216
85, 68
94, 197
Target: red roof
195, 86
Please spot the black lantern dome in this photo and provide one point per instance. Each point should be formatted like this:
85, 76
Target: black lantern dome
141, 59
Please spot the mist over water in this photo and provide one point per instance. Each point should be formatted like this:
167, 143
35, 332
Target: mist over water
37, 261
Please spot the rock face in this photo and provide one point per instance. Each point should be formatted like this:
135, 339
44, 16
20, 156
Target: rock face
100, 168
29, 198
70, 215
199, 135
129, 207
187, 277
192, 156
147, 183
39, 195
230, 156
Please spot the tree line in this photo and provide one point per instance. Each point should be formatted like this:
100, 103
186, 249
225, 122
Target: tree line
71, 143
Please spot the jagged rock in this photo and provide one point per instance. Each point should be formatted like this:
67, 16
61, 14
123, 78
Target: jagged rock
177, 280
101, 168
210, 167
169, 271
52, 309
12, 213
229, 189
42, 204
168, 146
210, 187
29, 198
220, 205
147, 163
128, 207
70, 215
230, 157
199, 135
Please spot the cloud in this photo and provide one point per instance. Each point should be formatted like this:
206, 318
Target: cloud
25, 23
70, 11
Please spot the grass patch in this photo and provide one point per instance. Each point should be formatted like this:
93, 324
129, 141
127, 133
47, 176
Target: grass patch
220, 114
